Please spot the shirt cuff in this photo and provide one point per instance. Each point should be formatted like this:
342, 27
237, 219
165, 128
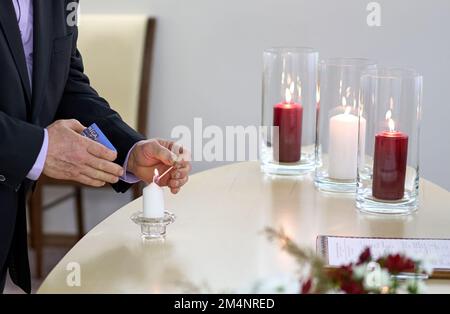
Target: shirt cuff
39, 164
129, 177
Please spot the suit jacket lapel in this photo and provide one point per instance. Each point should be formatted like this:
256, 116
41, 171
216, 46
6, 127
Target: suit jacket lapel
42, 52
8, 21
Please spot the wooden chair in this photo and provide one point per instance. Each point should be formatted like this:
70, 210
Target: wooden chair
117, 54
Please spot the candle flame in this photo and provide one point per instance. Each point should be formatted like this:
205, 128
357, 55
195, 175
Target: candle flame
288, 95
388, 115
391, 125
292, 88
391, 122
155, 175
347, 91
348, 109
318, 94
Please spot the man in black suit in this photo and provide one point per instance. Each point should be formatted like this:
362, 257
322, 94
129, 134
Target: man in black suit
45, 103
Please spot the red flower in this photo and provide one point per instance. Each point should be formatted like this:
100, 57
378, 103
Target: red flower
365, 257
397, 263
352, 287
342, 277
306, 287
343, 273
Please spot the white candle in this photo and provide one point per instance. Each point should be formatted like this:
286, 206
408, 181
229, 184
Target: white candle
153, 199
343, 145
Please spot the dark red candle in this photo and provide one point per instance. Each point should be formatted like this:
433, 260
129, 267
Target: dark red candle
287, 116
389, 165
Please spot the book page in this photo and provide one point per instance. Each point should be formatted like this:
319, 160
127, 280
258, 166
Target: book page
343, 250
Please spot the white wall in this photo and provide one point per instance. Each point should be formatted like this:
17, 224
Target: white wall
208, 56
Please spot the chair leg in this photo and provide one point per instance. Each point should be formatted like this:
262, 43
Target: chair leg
79, 211
36, 228
137, 190
30, 221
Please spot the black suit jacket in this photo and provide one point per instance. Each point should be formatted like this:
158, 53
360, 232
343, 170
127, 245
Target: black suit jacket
60, 91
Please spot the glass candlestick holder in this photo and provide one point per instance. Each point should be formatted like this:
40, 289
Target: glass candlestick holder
153, 228
288, 110
337, 124
388, 169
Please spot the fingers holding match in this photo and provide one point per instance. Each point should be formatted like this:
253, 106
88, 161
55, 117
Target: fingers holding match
175, 177
179, 176
181, 171
177, 183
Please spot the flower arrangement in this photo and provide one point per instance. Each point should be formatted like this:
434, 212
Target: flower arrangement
390, 274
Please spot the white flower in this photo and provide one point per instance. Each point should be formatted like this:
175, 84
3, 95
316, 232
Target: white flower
385, 278
426, 266
376, 278
360, 271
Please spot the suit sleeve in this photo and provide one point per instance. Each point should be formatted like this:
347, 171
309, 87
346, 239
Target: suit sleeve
20, 144
80, 101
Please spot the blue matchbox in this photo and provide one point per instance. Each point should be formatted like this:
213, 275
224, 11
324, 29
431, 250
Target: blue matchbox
94, 133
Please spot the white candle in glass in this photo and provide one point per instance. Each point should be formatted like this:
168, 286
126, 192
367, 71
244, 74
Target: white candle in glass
153, 199
343, 144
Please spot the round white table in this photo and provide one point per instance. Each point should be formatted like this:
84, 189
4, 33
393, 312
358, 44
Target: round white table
216, 244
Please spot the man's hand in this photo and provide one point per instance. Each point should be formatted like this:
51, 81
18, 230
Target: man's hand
73, 157
150, 154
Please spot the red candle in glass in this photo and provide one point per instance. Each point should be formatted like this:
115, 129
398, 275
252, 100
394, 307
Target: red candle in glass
287, 116
389, 164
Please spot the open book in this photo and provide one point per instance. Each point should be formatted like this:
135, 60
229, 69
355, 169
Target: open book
338, 251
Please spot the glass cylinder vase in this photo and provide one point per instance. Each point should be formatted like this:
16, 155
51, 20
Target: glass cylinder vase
388, 174
337, 124
288, 110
